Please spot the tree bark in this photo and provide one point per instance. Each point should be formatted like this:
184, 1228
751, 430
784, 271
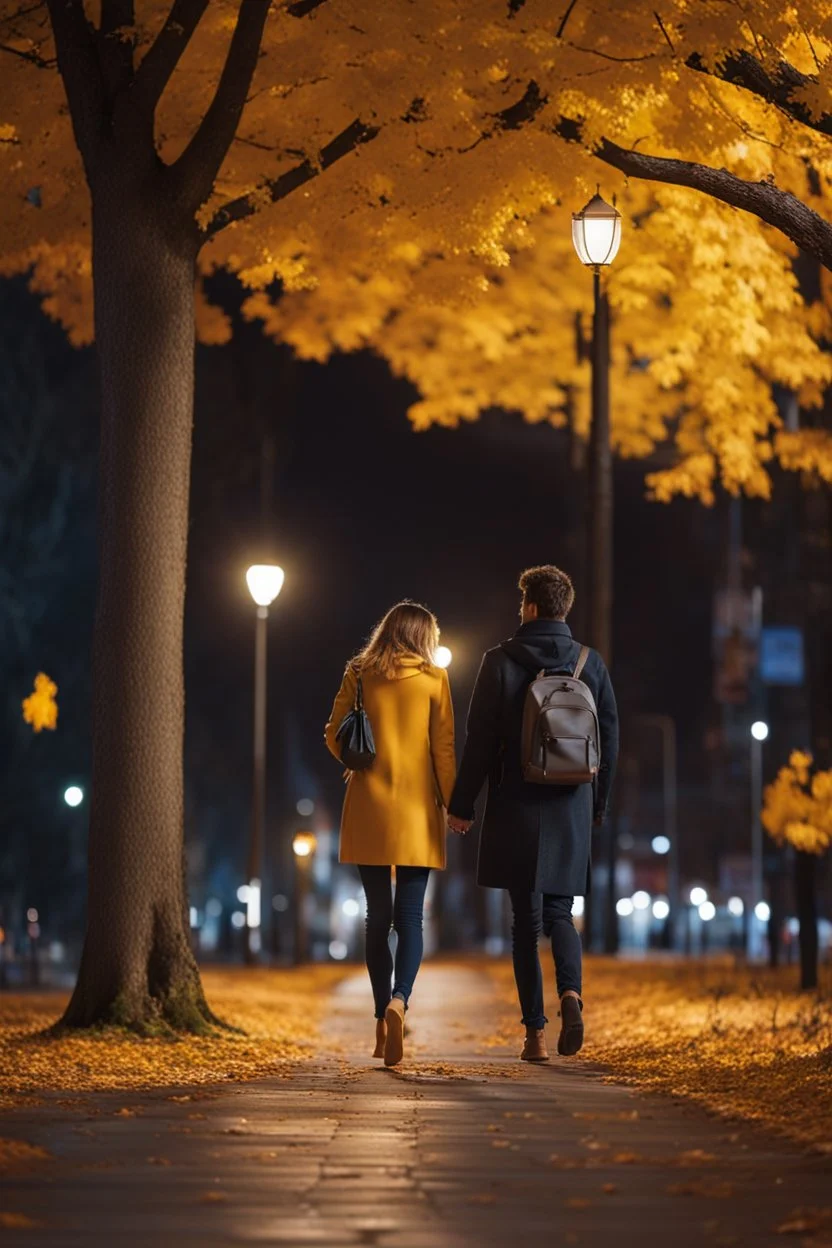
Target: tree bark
137, 967
805, 888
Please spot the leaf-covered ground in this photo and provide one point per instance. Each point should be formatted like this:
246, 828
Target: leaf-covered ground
742, 1042
277, 1009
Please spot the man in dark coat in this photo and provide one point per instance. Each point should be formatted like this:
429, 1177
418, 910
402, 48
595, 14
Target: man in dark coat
535, 839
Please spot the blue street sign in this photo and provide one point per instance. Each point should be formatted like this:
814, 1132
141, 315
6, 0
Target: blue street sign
781, 655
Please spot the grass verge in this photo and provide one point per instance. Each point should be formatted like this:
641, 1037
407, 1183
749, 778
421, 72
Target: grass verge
741, 1042
278, 1011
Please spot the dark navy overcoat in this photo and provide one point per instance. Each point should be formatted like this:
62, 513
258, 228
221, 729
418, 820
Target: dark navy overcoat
534, 837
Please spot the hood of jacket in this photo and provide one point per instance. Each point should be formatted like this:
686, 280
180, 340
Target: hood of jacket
543, 644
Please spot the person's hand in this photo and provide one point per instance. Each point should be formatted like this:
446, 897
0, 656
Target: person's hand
459, 826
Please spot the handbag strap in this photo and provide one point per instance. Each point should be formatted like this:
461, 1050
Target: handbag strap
359, 691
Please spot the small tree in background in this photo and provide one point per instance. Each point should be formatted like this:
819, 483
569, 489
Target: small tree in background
797, 811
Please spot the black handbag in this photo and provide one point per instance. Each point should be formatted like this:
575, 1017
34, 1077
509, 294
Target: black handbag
358, 748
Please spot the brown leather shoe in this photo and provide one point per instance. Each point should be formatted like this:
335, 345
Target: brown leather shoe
571, 1036
394, 1043
381, 1036
534, 1048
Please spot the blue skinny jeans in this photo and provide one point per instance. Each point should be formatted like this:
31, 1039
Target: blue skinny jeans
404, 915
550, 915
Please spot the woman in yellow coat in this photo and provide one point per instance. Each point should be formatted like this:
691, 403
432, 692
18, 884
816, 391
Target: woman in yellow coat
394, 812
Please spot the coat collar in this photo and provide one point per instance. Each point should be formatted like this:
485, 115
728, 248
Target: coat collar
543, 628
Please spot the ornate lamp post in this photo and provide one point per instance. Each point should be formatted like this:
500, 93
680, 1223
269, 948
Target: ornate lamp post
596, 236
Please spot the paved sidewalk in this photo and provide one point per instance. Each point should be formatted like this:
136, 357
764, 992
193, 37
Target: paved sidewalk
454, 1149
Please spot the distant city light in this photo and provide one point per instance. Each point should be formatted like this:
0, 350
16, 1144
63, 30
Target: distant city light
577, 906
661, 908
73, 796
304, 844
238, 919
698, 896
253, 904
442, 656
624, 907
242, 893
736, 906
305, 807
337, 950
32, 914
707, 911
193, 916
762, 911
660, 845
213, 907
759, 730
351, 908
793, 927
641, 900
280, 903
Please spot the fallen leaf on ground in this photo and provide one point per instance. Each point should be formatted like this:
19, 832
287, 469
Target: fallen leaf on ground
17, 1222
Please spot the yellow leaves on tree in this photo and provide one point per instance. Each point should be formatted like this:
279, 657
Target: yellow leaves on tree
797, 806
40, 708
441, 239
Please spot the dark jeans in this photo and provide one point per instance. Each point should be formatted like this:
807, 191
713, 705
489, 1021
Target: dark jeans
535, 913
405, 916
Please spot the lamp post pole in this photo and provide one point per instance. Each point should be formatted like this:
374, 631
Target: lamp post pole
264, 582
600, 499
596, 236
256, 842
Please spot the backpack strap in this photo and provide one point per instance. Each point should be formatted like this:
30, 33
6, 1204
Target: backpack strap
579, 666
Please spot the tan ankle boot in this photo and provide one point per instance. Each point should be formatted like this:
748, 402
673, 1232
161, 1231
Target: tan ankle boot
394, 1044
381, 1036
534, 1049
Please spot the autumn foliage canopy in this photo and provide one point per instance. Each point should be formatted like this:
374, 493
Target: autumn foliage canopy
455, 142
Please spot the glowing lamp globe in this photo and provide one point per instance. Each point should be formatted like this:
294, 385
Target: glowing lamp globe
442, 656
596, 233
265, 581
759, 730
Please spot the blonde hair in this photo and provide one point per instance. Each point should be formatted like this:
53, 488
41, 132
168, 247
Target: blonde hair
408, 630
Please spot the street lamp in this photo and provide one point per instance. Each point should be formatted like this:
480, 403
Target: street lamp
759, 733
73, 796
442, 656
265, 582
303, 847
596, 236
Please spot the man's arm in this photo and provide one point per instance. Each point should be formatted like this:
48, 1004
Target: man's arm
608, 726
482, 743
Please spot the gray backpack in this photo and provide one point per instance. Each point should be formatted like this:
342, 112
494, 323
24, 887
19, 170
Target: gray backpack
561, 741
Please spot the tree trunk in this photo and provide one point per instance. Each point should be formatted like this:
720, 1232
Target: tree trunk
805, 889
137, 967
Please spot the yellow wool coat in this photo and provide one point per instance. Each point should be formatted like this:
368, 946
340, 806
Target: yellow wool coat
393, 812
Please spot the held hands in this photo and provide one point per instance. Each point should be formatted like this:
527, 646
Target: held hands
459, 826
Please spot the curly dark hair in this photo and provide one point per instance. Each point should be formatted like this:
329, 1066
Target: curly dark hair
549, 589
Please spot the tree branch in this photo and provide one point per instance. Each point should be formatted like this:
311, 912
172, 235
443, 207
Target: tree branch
79, 69
741, 69
347, 141
301, 7
800, 223
163, 55
200, 163
116, 43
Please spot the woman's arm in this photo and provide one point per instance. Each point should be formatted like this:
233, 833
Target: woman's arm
343, 704
442, 748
